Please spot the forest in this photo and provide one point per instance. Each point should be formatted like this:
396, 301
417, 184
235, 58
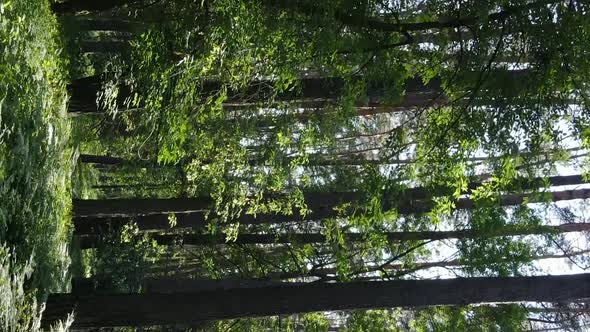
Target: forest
294, 165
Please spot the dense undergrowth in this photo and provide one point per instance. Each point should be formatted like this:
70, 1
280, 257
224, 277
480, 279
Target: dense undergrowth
35, 167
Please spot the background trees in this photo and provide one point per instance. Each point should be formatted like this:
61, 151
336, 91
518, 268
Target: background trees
261, 150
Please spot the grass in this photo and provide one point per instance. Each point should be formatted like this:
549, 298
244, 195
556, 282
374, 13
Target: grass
35, 161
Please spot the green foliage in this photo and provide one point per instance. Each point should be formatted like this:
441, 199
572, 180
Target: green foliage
504, 317
124, 258
309, 322
17, 306
19, 310
34, 146
373, 321
488, 255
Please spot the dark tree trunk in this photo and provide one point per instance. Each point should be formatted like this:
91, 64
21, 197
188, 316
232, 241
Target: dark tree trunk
521, 183
126, 207
83, 94
73, 6
380, 25
92, 216
105, 160
117, 207
194, 307
317, 90
117, 161
87, 242
119, 187
505, 200
403, 269
106, 24
84, 286
98, 224
104, 47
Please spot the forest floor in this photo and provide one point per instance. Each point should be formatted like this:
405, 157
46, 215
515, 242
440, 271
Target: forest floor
36, 160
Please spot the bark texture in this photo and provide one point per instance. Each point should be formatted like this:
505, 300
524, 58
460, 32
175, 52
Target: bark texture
194, 307
92, 215
121, 207
73, 6
87, 242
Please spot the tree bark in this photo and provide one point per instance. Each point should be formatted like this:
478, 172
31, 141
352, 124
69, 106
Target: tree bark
106, 24
194, 307
377, 24
73, 6
124, 207
87, 242
105, 160
84, 286
521, 183
84, 91
104, 46
404, 269
315, 89
92, 216
505, 200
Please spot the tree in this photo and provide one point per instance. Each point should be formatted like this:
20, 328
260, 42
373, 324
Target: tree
379, 120
208, 239
72, 6
321, 205
156, 309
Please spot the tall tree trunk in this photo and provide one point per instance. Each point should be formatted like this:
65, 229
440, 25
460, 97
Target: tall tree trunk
106, 24
505, 200
315, 89
104, 46
520, 183
166, 283
87, 242
84, 91
122, 207
73, 6
90, 216
117, 207
194, 307
117, 161
404, 269
84, 286
105, 160
377, 24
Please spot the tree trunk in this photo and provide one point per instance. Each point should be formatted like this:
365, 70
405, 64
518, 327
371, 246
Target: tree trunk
90, 216
87, 242
315, 89
117, 161
521, 183
73, 6
125, 207
404, 269
117, 207
106, 24
377, 24
104, 46
83, 94
505, 200
105, 160
83, 286
194, 307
